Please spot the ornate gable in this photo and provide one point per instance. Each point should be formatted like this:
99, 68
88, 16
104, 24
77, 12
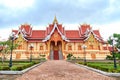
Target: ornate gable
20, 33
20, 38
56, 36
55, 27
88, 34
20, 41
92, 39
92, 42
26, 29
84, 28
86, 31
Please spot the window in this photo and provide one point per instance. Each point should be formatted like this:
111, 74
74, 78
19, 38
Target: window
41, 47
79, 47
69, 47
20, 47
99, 47
91, 46
105, 47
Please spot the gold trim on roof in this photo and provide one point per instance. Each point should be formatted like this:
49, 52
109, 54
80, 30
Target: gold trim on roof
55, 20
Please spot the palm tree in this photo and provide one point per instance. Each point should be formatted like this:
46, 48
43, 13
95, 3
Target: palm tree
6, 47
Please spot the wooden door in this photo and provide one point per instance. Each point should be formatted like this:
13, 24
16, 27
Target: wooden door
56, 56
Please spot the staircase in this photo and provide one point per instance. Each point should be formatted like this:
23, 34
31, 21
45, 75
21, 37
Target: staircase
51, 55
60, 55
56, 55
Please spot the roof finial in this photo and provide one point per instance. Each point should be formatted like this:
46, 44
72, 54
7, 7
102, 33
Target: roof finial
55, 20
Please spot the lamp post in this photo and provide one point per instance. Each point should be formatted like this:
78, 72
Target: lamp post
11, 48
84, 47
31, 47
113, 52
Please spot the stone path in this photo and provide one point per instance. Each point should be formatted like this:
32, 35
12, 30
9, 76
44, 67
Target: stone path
61, 70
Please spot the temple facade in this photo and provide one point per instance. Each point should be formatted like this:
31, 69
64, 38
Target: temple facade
56, 43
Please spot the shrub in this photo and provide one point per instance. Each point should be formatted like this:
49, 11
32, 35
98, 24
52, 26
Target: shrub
17, 68
73, 58
78, 58
118, 70
4, 68
42, 59
21, 67
109, 57
94, 66
104, 66
79, 62
117, 55
69, 56
104, 69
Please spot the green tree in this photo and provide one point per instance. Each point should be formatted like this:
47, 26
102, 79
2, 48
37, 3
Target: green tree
117, 45
118, 40
6, 48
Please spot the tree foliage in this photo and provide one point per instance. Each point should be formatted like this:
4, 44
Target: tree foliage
118, 40
69, 56
6, 48
115, 35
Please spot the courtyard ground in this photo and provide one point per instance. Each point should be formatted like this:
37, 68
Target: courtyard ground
58, 70
61, 70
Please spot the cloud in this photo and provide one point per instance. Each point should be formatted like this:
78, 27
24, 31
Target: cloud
112, 11
11, 11
41, 12
108, 29
16, 4
70, 11
4, 33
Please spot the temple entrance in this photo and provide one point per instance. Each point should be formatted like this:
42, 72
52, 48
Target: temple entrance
56, 50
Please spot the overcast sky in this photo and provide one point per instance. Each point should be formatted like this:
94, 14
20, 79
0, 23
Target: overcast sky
100, 14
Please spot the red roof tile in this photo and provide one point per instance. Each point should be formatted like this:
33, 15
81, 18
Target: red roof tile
72, 34
60, 28
84, 27
97, 33
50, 28
15, 31
38, 34
26, 27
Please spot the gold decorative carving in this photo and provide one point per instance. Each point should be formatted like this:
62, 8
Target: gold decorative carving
55, 35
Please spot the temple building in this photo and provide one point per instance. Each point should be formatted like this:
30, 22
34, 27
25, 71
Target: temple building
56, 43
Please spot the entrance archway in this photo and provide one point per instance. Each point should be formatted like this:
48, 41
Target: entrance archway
56, 50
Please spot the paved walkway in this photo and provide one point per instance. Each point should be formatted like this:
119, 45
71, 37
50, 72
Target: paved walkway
61, 70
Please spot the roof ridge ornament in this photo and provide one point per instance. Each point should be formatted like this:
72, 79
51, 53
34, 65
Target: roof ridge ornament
55, 20
49, 36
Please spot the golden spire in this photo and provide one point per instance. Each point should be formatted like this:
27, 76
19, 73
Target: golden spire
55, 20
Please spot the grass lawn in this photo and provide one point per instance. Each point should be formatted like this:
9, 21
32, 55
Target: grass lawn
17, 65
104, 66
